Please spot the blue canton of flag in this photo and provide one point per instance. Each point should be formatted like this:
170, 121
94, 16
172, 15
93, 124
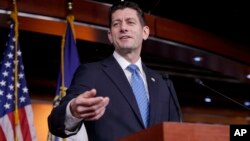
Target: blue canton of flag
23, 130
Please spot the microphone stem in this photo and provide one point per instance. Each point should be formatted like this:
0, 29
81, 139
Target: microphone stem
225, 96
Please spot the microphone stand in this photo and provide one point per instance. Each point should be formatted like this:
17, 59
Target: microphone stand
213, 90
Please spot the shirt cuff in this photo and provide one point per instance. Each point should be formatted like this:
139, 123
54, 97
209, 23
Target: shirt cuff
71, 123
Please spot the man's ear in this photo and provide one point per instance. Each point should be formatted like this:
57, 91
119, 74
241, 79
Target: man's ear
110, 37
146, 32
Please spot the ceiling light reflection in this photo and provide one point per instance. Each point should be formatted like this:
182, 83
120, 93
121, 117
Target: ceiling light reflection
197, 59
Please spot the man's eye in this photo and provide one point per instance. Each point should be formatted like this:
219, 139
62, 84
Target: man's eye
131, 23
115, 24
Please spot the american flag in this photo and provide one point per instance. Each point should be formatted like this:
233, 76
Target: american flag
16, 124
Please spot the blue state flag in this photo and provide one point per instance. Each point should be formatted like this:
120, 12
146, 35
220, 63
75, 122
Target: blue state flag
69, 63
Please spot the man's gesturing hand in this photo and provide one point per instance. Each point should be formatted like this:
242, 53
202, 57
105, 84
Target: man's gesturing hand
88, 107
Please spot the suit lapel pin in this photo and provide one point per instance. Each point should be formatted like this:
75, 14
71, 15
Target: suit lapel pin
152, 79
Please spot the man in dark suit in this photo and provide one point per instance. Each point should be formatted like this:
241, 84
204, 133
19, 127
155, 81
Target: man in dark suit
101, 96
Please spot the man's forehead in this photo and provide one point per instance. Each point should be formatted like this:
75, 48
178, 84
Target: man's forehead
126, 13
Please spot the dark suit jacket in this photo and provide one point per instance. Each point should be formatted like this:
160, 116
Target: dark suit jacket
122, 116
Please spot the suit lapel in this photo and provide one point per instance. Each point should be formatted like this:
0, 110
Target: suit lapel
116, 74
154, 97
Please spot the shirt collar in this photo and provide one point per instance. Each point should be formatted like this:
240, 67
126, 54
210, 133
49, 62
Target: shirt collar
124, 63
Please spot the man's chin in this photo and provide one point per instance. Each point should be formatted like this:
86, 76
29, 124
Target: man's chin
125, 50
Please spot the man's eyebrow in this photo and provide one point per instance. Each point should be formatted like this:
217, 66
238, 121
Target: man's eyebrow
116, 20
131, 19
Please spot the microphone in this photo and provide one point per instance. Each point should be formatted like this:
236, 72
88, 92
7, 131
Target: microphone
198, 81
173, 94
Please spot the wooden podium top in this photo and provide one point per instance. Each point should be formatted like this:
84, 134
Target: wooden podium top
175, 131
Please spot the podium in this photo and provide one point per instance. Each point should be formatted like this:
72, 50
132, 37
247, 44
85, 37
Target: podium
173, 131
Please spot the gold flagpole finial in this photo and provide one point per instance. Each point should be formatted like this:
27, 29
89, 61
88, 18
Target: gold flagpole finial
70, 5
70, 17
69, 8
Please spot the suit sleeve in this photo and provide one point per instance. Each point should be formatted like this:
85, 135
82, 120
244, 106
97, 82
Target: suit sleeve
82, 81
56, 121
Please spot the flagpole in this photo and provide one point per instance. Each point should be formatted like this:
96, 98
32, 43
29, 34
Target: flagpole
62, 88
16, 114
70, 17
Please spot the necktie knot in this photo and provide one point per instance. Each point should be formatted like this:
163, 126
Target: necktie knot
132, 68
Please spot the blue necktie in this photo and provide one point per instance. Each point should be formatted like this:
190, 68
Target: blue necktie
140, 93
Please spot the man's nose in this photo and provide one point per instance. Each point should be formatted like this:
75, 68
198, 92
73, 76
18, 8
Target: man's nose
123, 27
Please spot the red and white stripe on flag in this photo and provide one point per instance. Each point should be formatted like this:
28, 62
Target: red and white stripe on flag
25, 130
